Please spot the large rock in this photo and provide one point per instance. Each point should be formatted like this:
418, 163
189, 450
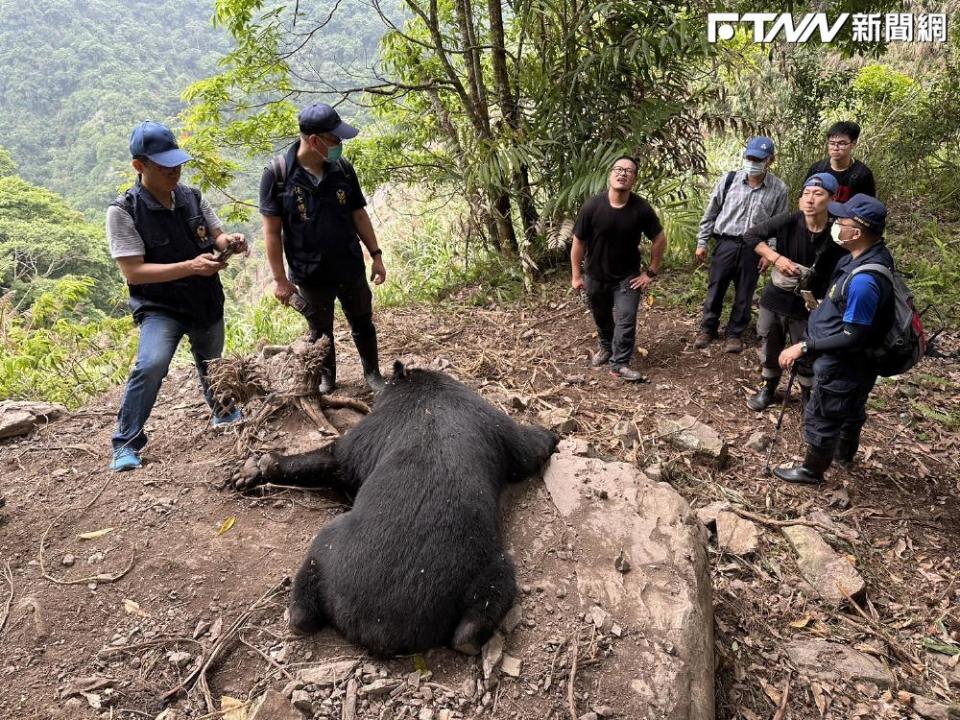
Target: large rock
19, 417
691, 434
275, 706
737, 535
664, 602
825, 571
826, 660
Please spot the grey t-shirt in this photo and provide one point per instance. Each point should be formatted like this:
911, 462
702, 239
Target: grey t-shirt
124, 239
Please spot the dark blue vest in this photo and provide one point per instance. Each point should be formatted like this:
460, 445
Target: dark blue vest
171, 236
827, 319
320, 239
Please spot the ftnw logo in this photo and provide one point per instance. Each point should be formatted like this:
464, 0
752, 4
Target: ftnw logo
767, 26
864, 27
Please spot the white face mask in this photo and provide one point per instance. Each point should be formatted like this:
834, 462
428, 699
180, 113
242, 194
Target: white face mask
835, 234
754, 167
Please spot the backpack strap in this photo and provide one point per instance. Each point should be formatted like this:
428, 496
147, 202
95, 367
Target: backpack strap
867, 267
278, 164
726, 189
125, 202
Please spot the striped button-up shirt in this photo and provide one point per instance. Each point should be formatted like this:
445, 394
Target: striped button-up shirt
743, 207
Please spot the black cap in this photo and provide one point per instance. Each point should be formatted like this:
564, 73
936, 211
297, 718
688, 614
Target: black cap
321, 118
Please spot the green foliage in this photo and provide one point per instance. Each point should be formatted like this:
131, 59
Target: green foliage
42, 238
264, 322
79, 74
7, 164
61, 351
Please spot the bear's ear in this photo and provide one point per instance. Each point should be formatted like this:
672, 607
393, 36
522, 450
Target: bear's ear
398, 370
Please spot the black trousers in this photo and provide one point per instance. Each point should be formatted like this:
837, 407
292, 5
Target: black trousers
357, 303
614, 306
733, 262
838, 403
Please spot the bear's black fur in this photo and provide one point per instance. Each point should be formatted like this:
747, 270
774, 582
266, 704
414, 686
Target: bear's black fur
418, 562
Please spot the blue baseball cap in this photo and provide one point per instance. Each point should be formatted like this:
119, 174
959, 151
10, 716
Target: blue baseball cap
157, 143
759, 147
321, 118
866, 210
823, 180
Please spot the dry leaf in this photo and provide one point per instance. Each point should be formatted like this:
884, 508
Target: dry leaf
232, 708
216, 629
227, 524
134, 608
802, 622
772, 692
819, 698
95, 534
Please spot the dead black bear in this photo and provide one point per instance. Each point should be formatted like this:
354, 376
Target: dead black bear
418, 562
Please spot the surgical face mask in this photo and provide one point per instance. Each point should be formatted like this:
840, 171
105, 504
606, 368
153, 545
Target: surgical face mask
835, 234
334, 153
754, 167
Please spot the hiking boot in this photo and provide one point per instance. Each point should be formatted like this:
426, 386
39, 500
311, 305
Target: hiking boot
703, 339
600, 358
628, 374
370, 362
125, 459
230, 418
766, 397
733, 345
816, 461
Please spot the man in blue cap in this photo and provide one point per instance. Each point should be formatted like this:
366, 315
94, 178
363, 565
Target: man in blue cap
314, 215
804, 259
852, 319
739, 200
168, 243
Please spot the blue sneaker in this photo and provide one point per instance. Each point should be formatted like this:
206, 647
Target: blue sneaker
125, 459
228, 419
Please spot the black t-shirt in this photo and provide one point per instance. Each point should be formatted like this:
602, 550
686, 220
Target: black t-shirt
854, 180
612, 235
795, 242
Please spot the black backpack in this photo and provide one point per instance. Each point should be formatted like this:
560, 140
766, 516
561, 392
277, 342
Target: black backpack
905, 342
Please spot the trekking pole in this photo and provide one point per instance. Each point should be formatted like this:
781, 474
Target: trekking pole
783, 409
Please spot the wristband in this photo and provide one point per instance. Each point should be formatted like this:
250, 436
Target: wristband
374, 253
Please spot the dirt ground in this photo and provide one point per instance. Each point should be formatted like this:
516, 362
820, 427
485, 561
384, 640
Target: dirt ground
120, 620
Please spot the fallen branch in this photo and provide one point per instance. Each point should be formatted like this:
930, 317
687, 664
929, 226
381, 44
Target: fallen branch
770, 522
571, 683
893, 643
102, 577
8, 576
312, 411
198, 676
784, 698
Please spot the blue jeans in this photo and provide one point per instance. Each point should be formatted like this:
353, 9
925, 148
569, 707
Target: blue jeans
159, 337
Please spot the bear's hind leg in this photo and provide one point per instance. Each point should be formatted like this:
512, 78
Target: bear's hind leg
489, 597
305, 611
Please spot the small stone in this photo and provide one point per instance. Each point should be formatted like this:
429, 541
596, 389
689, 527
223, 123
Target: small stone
604, 711
511, 619
625, 432
300, 699
275, 706
654, 472
708, 514
467, 688
379, 687
328, 673
561, 591
600, 618
97, 557
518, 402
758, 442
621, 563
444, 714
824, 570
511, 665
616, 630
560, 420
425, 714
290, 687
492, 654
589, 716
691, 434
68, 561
179, 659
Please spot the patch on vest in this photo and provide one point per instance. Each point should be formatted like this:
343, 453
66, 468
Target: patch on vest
201, 232
342, 197
301, 204
834, 291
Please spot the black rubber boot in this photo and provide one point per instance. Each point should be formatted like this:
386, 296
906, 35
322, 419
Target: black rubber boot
847, 449
815, 463
766, 397
328, 374
370, 361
